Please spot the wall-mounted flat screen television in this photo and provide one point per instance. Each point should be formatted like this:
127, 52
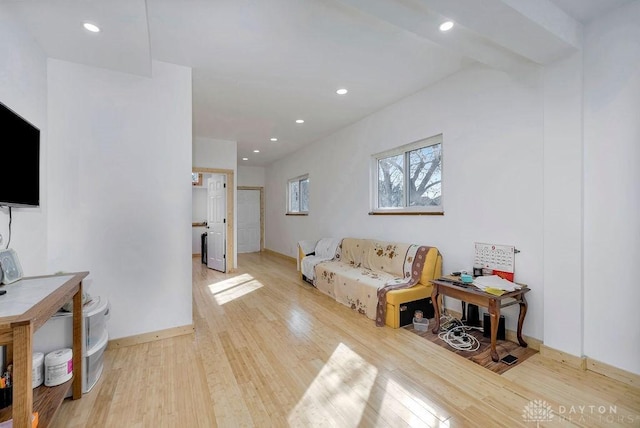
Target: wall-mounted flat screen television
20, 166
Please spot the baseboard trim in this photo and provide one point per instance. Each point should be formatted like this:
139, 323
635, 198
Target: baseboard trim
612, 372
586, 363
150, 337
283, 256
579, 363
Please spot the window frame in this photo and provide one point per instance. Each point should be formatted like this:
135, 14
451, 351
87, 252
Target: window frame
404, 150
299, 179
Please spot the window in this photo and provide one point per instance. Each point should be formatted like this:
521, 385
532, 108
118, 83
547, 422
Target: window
408, 179
196, 179
298, 195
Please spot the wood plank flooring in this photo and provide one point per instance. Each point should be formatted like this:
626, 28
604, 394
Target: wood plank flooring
271, 351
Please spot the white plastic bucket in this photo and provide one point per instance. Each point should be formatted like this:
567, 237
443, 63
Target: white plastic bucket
37, 370
58, 367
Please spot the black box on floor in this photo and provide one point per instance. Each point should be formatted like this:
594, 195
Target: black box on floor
486, 326
408, 309
203, 247
473, 316
6, 396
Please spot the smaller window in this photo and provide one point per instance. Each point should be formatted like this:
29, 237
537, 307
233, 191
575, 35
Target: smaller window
196, 178
298, 195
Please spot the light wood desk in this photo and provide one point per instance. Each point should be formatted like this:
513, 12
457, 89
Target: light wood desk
471, 294
26, 306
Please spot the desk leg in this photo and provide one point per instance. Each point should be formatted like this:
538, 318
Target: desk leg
77, 344
22, 366
523, 312
436, 308
494, 314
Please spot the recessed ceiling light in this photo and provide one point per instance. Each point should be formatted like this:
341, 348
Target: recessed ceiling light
91, 27
274, 139
341, 91
245, 158
446, 26
256, 151
299, 121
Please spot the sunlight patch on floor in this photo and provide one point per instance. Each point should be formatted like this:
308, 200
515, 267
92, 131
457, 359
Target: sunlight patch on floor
422, 413
338, 394
232, 288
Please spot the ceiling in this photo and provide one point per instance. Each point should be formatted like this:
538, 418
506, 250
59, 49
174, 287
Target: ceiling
259, 66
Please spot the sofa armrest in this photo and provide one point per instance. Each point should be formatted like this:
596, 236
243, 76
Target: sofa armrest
432, 268
305, 248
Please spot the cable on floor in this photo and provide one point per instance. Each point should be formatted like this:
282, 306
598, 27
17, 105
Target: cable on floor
454, 333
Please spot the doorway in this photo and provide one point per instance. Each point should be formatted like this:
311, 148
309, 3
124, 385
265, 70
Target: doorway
226, 251
216, 222
250, 219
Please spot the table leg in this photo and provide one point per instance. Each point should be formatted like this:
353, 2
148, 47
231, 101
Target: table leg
436, 308
494, 314
22, 366
77, 344
523, 312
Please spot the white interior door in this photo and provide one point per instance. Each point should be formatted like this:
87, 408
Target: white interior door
248, 221
216, 222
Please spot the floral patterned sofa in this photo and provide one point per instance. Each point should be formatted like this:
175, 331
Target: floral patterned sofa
366, 271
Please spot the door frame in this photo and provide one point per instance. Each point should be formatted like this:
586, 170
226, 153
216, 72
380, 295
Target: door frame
261, 189
230, 212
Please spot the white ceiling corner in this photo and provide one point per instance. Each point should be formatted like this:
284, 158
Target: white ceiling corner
586, 11
122, 44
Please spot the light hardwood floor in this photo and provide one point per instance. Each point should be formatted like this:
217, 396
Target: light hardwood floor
270, 350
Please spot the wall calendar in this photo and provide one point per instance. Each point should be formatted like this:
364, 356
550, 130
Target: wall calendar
499, 258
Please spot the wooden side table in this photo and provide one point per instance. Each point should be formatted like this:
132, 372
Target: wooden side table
472, 294
26, 306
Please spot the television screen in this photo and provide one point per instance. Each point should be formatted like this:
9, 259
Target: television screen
20, 169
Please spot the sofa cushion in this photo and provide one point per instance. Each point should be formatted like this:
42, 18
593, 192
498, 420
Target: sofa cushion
351, 286
379, 256
353, 251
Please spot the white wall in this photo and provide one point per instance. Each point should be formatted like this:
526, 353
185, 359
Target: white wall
212, 153
251, 176
563, 274
120, 189
199, 210
23, 88
612, 188
492, 192
221, 154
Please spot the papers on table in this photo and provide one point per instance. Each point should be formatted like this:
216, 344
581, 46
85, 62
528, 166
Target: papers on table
494, 282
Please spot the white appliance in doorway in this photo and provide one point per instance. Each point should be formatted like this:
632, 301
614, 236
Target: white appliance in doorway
216, 222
